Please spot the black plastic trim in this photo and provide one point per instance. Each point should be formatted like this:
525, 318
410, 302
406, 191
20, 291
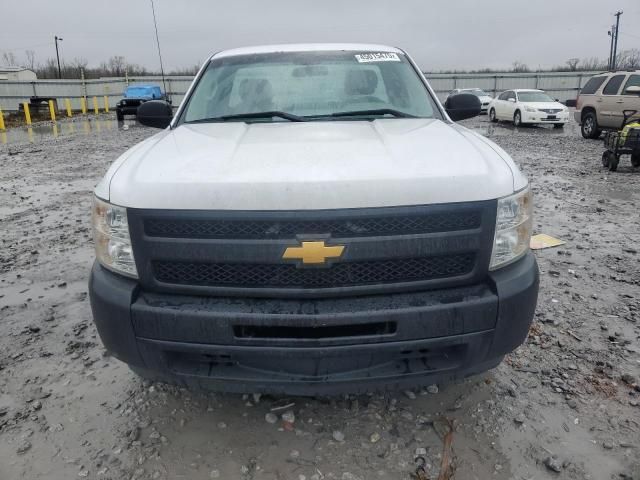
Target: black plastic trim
441, 335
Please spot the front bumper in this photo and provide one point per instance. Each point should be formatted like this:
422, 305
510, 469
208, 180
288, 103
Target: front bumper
319, 346
128, 110
541, 117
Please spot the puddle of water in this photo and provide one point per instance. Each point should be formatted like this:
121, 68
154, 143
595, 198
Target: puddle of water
62, 129
487, 128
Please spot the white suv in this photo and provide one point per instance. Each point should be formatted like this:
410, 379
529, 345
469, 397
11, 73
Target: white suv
312, 221
604, 99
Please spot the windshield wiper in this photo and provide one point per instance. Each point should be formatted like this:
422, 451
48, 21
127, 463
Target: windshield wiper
367, 113
239, 116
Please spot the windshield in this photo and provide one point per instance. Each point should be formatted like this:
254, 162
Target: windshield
534, 97
309, 86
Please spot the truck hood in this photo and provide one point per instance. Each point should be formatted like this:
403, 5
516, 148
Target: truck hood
314, 165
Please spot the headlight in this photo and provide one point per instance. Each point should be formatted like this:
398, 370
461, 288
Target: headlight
513, 228
530, 109
111, 237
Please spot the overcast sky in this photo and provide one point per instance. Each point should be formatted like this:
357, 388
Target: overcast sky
462, 34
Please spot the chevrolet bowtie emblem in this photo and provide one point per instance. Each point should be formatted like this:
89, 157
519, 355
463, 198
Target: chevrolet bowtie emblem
313, 253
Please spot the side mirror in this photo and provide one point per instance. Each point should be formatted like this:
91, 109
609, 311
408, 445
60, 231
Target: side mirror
462, 105
633, 90
512, 100
155, 113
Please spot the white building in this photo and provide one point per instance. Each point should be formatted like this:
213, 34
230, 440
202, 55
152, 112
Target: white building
16, 74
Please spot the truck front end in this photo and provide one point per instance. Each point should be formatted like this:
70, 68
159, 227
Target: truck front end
313, 257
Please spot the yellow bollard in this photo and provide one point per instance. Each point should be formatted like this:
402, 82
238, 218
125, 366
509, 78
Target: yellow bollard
1, 120
106, 104
67, 103
52, 111
27, 114
3, 137
83, 105
95, 105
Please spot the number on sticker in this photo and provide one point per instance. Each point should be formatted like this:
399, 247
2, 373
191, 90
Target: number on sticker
377, 57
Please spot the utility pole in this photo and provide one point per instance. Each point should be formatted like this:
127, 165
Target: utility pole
58, 39
612, 34
155, 24
615, 43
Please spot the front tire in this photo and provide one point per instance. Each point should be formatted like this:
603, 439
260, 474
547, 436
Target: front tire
606, 158
589, 127
492, 116
119, 116
613, 162
517, 119
635, 159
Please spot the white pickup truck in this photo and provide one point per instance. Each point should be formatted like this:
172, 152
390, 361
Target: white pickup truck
312, 221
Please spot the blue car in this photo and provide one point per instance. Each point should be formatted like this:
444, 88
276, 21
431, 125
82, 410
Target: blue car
134, 96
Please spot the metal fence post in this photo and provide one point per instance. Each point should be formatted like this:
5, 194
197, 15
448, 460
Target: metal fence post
83, 93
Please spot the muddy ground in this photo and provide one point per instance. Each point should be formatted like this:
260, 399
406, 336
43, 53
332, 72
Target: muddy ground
564, 405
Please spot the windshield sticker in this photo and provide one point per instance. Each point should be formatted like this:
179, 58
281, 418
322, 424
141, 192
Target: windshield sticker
377, 57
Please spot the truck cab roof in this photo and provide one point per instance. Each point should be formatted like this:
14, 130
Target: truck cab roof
306, 47
143, 91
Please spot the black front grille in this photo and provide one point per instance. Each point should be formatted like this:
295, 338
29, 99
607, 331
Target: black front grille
289, 276
550, 110
289, 228
387, 249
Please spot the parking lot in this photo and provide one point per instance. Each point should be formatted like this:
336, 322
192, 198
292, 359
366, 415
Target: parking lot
564, 405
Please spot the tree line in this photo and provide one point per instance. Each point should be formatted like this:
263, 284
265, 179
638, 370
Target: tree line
116, 66
625, 60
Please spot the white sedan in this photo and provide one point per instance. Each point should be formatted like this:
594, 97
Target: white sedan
483, 96
527, 107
